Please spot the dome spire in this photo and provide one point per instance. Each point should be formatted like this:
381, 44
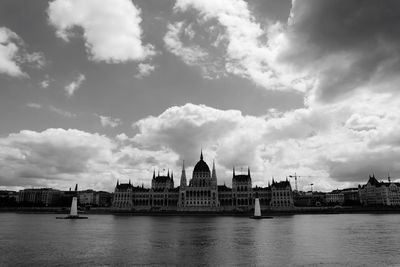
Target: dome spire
201, 154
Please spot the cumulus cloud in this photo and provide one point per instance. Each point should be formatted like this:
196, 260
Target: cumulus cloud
59, 158
345, 64
74, 85
346, 46
54, 156
13, 54
111, 29
331, 145
237, 35
109, 121
319, 142
324, 50
144, 70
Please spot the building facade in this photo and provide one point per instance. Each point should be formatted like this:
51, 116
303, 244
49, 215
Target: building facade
336, 197
376, 193
39, 197
201, 193
281, 195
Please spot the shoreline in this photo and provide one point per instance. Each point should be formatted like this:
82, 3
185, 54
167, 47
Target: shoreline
296, 211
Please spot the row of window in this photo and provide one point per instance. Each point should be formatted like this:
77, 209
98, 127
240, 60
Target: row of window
243, 188
199, 202
280, 203
281, 194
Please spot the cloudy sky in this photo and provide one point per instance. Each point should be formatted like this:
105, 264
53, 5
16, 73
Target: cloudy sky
93, 92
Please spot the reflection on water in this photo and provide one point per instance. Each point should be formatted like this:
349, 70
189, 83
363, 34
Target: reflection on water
356, 240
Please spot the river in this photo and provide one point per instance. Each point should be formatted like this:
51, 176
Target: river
108, 240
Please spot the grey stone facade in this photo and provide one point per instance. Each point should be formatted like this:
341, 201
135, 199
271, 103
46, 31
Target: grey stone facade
200, 194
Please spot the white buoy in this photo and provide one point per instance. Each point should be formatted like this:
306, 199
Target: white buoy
73, 214
74, 207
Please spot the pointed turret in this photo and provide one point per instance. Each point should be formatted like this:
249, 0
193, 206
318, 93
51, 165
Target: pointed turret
172, 174
248, 171
183, 175
76, 187
201, 154
168, 173
154, 174
233, 171
129, 181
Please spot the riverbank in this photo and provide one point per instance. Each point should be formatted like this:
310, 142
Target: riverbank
296, 210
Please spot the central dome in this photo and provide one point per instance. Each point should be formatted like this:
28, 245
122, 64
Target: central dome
201, 166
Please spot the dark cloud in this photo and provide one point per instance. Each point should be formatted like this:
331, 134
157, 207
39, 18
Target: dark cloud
347, 44
357, 168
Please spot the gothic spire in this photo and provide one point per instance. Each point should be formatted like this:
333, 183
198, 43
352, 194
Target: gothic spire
154, 173
214, 173
248, 171
168, 173
183, 175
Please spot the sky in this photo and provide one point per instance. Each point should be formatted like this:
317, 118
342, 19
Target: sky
93, 91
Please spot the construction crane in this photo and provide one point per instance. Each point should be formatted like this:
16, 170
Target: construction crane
295, 176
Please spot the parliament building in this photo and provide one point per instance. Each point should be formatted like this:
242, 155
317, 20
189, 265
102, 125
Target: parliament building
202, 193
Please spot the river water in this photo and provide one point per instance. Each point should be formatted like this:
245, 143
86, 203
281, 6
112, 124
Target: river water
108, 240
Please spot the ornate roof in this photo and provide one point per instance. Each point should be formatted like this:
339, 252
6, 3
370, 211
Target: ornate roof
124, 186
162, 179
242, 178
372, 181
201, 166
282, 184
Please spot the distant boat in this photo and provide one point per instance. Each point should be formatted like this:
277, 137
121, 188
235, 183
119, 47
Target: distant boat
74, 208
257, 211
